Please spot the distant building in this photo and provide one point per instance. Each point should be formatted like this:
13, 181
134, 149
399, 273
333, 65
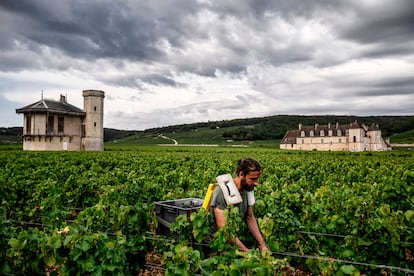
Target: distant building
57, 125
335, 137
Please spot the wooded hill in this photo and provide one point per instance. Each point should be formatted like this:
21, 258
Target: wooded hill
251, 129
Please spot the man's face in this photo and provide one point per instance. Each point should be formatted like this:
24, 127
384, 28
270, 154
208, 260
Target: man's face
250, 181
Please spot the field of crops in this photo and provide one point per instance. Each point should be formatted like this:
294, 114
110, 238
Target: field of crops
77, 213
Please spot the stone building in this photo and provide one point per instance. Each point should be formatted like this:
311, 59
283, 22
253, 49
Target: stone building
57, 125
335, 137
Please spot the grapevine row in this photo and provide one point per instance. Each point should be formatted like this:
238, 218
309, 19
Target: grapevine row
366, 198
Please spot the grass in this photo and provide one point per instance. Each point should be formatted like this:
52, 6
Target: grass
200, 137
403, 138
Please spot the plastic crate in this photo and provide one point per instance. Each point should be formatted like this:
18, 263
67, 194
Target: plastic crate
167, 211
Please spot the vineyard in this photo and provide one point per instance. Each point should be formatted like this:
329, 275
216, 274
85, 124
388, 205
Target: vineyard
92, 213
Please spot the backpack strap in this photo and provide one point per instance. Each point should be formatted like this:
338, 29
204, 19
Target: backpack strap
209, 194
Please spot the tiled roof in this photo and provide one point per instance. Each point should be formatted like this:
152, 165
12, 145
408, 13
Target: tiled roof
290, 137
51, 106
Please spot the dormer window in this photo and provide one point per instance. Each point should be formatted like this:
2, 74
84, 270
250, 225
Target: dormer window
302, 134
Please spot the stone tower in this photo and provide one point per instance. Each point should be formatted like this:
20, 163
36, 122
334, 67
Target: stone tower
92, 125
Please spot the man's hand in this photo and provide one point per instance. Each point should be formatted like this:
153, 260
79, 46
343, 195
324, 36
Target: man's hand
243, 249
263, 247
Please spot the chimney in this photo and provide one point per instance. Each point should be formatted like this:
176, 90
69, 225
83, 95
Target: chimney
62, 99
300, 126
329, 125
337, 125
316, 125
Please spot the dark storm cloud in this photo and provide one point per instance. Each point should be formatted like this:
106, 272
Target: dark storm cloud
389, 24
100, 28
134, 30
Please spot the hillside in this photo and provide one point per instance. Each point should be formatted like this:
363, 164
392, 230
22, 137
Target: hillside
272, 128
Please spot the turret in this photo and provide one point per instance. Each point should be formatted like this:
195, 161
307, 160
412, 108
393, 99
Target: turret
92, 126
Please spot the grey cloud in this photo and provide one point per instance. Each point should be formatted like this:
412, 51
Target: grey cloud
160, 80
8, 115
390, 23
259, 8
139, 81
193, 113
126, 81
385, 49
354, 109
390, 86
397, 82
103, 28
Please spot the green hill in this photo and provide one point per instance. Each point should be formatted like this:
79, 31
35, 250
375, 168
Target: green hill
406, 137
257, 131
251, 131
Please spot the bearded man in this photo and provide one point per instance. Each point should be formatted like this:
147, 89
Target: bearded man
248, 172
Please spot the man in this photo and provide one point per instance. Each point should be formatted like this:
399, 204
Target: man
248, 172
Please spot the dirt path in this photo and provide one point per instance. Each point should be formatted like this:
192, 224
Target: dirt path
168, 138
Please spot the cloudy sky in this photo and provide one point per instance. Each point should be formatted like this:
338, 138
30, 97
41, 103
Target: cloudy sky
163, 62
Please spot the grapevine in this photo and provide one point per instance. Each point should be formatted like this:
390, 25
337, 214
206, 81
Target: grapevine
89, 212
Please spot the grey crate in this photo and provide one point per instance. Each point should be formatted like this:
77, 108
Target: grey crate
167, 211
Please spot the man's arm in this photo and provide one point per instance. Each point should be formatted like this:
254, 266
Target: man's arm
254, 229
220, 222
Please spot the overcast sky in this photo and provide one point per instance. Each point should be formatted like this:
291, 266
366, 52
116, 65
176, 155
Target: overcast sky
164, 62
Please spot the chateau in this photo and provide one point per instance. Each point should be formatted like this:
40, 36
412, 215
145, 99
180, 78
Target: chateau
57, 125
335, 137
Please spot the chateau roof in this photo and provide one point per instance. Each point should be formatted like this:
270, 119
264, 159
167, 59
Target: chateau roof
51, 106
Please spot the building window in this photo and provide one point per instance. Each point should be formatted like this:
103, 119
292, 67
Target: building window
94, 124
61, 125
321, 141
302, 134
330, 132
94, 108
28, 124
303, 141
50, 124
354, 138
339, 132
83, 131
339, 140
322, 132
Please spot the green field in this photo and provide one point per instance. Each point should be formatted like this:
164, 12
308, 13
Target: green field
92, 213
403, 138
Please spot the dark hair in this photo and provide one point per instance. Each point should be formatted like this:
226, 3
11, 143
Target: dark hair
248, 165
